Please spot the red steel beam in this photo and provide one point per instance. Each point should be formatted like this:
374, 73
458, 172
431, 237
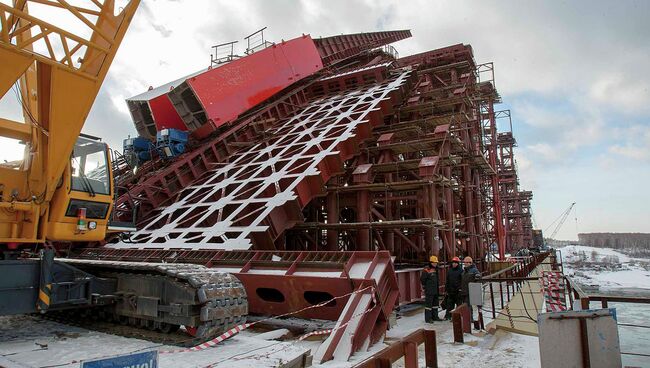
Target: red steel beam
407, 348
267, 184
152, 189
336, 48
279, 283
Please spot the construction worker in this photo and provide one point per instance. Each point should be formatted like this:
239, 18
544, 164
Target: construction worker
452, 286
470, 274
429, 280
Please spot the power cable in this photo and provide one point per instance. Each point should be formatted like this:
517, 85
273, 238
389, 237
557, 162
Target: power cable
506, 315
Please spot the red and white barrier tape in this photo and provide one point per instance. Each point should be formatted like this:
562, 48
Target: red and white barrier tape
554, 291
316, 333
226, 335
322, 332
329, 331
235, 330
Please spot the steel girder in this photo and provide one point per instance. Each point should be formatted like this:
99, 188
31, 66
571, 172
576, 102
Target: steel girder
415, 190
154, 186
426, 181
515, 203
260, 192
337, 48
203, 101
362, 287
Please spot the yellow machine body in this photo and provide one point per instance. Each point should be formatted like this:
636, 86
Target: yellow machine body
61, 172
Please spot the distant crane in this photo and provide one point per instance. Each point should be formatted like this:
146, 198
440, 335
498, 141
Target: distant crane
562, 219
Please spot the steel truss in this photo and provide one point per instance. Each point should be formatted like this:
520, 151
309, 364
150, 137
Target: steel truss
257, 195
373, 157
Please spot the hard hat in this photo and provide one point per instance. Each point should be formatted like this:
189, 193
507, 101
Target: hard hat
455, 259
433, 259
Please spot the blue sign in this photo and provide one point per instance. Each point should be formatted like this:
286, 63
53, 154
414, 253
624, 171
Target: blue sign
147, 359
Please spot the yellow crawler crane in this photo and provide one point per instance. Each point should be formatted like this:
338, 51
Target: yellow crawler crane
59, 74
62, 191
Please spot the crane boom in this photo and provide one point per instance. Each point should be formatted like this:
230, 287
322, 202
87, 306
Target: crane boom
66, 179
59, 72
562, 219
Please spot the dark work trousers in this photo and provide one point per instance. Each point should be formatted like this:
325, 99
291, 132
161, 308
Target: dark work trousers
430, 307
453, 301
469, 306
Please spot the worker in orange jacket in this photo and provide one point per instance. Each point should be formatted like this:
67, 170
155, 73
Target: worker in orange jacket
430, 285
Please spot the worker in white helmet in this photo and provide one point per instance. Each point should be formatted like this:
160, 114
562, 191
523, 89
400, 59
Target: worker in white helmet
430, 284
470, 274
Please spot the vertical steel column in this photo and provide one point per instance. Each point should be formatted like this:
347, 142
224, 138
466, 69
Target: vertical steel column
332, 218
498, 220
427, 211
469, 212
363, 215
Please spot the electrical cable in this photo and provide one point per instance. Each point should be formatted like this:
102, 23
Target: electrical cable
506, 315
523, 302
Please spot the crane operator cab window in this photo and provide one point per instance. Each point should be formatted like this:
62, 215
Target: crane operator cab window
89, 167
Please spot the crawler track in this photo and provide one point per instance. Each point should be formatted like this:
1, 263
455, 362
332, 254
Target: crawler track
153, 300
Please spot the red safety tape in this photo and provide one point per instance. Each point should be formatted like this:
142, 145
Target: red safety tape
329, 331
314, 333
235, 330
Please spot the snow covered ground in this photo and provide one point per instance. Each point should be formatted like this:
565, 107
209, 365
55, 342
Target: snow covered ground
27, 341
605, 268
606, 271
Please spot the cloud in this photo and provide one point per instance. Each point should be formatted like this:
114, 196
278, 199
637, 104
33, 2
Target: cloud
109, 118
622, 91
162, 30
546, 152
633, 152
562, 128
634, 143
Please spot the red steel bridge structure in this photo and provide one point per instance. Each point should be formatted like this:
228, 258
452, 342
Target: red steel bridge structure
339, 147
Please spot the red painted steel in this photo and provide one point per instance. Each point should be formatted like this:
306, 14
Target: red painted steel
233, 88
410, 288
515, 202
150, 189
427, 180
152, 110
406, 173
443, 56
164, 114
406, 348
499, 227
337, 48
252, 200
347, 160
278, 283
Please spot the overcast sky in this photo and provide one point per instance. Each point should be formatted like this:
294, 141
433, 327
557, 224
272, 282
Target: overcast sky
573, 74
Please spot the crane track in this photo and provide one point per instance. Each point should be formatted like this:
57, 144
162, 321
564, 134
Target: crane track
206, 301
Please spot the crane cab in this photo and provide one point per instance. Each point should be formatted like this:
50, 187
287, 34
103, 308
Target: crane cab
83, 200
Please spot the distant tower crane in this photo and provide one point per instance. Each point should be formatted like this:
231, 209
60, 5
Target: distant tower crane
562, 219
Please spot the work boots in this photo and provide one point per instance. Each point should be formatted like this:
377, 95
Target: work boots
434, 313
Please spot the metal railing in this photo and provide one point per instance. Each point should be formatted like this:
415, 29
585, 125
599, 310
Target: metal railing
578, 295
503, 285
407, 348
